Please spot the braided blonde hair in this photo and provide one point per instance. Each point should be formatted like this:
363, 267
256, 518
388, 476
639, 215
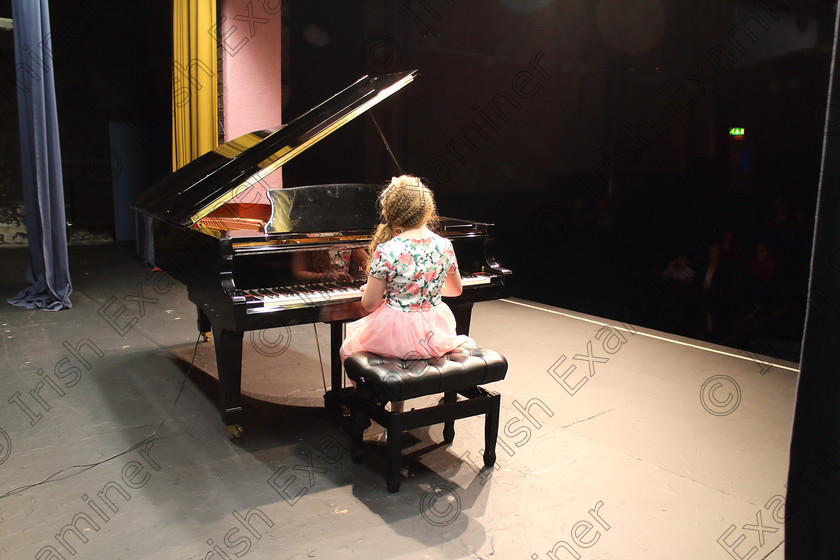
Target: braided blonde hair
406, 203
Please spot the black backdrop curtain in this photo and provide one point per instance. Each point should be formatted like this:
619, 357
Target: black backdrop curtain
43, 188
812, 508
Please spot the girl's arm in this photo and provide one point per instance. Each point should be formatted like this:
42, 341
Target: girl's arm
452, 285
373, 293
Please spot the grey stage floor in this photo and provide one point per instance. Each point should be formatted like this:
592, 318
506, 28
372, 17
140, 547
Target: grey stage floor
616, 442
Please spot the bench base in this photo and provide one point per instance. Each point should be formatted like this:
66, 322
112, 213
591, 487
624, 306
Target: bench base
363, 407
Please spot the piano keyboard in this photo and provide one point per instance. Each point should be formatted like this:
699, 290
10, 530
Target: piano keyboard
264, 300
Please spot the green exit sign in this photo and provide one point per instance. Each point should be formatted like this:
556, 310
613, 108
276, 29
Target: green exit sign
736, 131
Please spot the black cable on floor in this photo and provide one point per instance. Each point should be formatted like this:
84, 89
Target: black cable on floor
150, 437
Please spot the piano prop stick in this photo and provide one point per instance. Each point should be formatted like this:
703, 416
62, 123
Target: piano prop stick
242, 264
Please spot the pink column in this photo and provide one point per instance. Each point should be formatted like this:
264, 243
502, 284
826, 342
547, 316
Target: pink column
249, 32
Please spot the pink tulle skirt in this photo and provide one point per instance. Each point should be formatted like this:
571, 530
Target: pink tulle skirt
404, 334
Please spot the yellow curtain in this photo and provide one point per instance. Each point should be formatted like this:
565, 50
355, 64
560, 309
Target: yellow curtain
194, 91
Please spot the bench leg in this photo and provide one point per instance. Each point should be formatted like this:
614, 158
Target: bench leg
356, 427
491, 431
394, 457
449, 426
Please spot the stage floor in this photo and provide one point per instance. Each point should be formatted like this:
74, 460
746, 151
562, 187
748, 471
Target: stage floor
616, 442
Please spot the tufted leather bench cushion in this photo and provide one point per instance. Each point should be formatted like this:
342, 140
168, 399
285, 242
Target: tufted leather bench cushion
399, 379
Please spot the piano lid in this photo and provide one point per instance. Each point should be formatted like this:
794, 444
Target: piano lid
204, 184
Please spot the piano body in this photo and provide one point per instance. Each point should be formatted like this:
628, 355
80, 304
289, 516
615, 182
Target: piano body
237, 260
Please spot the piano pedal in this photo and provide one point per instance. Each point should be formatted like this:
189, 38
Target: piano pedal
235, 430
205, 337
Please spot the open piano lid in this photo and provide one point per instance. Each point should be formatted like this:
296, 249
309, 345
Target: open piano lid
204, 184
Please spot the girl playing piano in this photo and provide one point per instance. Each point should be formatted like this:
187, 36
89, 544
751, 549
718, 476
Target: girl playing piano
411, 267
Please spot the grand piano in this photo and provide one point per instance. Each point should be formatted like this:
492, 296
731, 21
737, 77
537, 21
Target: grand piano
237, 260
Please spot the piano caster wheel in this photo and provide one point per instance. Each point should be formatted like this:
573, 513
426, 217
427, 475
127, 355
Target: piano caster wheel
235, 430
205, 337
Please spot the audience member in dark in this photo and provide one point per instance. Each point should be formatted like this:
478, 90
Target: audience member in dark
780, 228
760, 272
779, 217
762, 265
715, 294
679, 270
730, 248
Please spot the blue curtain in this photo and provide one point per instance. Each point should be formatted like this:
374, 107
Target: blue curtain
43, 188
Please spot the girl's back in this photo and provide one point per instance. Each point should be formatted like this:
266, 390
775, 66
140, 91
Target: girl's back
414, 269
410, 268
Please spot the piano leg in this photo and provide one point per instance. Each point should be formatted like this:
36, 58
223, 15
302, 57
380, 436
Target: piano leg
336, 338
333, 397
229, 363
462, 313
203, 324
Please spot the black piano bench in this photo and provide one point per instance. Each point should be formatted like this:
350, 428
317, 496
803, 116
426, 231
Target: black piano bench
381, 380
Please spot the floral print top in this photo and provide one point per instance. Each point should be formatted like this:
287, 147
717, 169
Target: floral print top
340, 260
414, 270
